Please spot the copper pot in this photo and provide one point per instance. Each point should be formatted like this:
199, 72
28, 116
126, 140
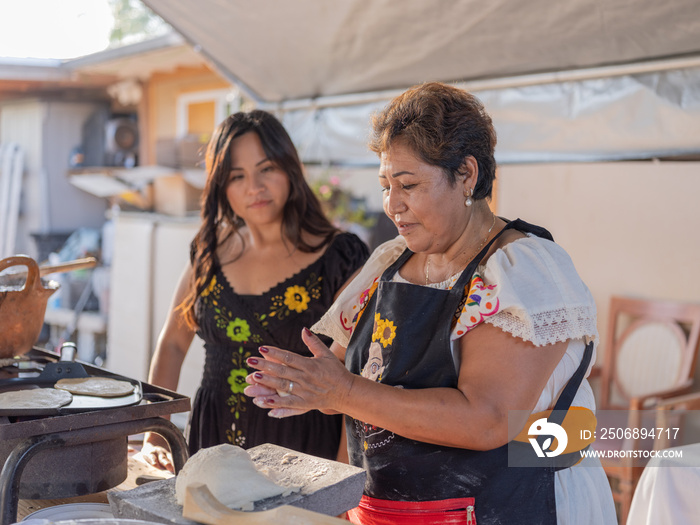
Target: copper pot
22, 309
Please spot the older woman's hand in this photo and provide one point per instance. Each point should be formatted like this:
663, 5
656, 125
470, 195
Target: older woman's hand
290, 384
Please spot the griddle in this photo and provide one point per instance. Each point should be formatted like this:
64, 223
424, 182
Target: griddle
53, 372
73, 454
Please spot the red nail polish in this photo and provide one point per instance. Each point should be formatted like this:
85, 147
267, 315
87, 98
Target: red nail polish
307, 331
263, 350
252, 361
257, 375
270, 401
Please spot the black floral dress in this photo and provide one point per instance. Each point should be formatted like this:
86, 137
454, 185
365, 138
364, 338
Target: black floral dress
234, 326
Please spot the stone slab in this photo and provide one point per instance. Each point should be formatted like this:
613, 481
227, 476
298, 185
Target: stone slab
328, 487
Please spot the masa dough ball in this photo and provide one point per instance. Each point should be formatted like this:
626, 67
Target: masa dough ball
231, 476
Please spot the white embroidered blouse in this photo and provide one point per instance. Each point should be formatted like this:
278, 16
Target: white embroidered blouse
529, 288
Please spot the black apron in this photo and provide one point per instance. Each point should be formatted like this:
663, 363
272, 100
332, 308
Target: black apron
403, 340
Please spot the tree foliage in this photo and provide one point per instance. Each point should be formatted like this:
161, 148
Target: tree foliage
134, 22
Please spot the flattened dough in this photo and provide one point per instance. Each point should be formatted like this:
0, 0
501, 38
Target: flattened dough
230, 475
95, 386
35, 398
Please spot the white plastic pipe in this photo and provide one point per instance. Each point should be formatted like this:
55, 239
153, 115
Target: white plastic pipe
635, 68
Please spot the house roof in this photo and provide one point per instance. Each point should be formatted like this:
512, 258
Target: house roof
97, 70
139, 60
281, 51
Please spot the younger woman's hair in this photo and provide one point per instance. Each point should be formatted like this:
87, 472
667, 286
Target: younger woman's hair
302, 211
443, 125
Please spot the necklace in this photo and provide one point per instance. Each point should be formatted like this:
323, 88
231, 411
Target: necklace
488, 234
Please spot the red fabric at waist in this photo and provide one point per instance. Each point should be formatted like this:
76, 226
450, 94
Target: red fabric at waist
373, 511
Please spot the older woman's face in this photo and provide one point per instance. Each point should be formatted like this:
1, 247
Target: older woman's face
427, 210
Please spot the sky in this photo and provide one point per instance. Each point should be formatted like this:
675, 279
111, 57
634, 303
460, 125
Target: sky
53, 28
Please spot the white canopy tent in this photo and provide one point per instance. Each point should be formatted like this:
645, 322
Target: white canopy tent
570, 80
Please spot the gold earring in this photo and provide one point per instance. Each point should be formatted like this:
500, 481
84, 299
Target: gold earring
469, 200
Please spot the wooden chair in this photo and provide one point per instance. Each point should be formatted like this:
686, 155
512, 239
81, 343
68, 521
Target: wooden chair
665, 414
650, 352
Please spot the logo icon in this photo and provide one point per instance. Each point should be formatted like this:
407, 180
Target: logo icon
542, 427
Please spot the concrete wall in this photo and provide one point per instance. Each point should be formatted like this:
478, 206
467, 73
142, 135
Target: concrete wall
631, 228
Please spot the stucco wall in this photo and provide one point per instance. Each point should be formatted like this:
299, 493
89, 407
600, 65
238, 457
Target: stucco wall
631, 228
163, 91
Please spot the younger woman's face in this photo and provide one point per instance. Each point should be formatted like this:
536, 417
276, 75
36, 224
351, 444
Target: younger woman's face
257, 189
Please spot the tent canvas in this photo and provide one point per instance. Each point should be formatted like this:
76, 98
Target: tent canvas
628, 67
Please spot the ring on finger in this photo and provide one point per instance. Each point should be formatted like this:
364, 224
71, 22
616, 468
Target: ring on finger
290, 387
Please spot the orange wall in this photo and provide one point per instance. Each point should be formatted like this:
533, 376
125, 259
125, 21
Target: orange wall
202, 117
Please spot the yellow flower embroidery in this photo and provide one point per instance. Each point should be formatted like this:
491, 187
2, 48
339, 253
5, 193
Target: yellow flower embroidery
375, 327
209, 288
296, 298
385, 332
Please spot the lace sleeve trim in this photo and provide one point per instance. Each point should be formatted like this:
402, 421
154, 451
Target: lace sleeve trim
549, 327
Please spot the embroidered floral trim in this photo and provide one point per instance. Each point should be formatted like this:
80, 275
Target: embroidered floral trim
238, 330
481, 301
212, 292
237, 380
209, 289
237, 383
235, 436
358, 308
295, 299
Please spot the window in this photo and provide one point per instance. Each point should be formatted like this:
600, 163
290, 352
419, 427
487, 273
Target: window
199, 112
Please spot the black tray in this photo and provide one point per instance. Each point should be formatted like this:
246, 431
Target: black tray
51, 373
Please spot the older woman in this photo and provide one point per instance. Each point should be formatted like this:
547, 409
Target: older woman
457, 337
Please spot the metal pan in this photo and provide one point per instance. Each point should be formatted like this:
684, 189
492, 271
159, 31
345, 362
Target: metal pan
51, 373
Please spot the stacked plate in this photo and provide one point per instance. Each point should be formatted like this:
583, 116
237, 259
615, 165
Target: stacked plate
78, 514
